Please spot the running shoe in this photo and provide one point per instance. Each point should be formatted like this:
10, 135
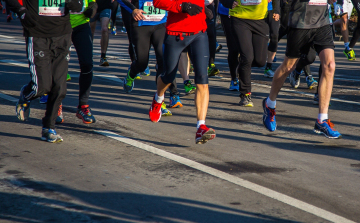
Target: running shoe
50, 135
327, 128
269, 120
123, 30
311, 82
146, 72
218, 47
128, 83
245, 100
316, 100
84, 112
43, 99
350, 54
175, 102
22, 107
104, 62
68, 77
191, 71
204, 134
4, 11
60, 117
138, 77
212, 70
155, 111
9, 18
113, 31
294, 79
189, 88
164, 110
268, 72
234, 85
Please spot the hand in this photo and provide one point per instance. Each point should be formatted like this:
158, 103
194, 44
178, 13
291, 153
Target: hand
91, 10
208, 13
137, 14
276, 17
27, 21
74, 5
191, 9
235, 3
338, 10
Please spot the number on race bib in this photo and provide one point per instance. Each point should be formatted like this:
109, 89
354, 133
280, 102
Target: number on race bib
153, 13
51, 8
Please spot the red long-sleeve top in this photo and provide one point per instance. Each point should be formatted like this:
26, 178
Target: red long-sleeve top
177, 21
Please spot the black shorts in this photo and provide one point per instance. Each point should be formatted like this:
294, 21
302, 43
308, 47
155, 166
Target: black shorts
299, 41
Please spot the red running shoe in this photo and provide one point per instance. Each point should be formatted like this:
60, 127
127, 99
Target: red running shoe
204, 134
155, 111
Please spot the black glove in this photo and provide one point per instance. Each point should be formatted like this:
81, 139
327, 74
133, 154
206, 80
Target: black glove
27, 21
191, 9
91, 10
208, 13
74, 5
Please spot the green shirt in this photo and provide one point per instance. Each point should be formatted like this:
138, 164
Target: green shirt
79, 19
250, 9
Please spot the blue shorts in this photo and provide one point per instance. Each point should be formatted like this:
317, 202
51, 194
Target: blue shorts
199, 55
104, 13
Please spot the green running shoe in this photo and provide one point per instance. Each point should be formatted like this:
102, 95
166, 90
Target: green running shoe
68, 77
212, 70
189, 88
164, 110
350, 54
128, 83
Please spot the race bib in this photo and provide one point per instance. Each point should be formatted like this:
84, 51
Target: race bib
52, 7
318, 2
153, 14
250, 2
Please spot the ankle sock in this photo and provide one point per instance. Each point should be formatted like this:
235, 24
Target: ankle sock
270, 103
200, 122
322, 117
347, 45
159, 99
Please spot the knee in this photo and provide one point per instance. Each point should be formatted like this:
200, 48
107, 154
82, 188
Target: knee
259, 62
246, 61
86, 68
329, 67
104, 30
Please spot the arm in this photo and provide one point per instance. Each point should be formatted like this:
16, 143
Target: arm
127, 5
276, 6
122, 5
172, 6
227, 3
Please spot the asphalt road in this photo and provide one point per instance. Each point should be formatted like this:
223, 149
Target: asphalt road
125, 168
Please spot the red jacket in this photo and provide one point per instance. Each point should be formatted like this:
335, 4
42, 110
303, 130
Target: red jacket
178, 21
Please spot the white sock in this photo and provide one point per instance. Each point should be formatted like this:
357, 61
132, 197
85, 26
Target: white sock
322, 117
347, 46
159, 99
200, 122
270, 103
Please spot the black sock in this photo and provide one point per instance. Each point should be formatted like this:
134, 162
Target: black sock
269, 65
103, 55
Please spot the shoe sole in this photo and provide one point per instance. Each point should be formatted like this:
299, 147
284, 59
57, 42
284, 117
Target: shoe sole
190, 92
177, 105
166, 114
313, 85
213, 74
105, 64
55, 141
349, 58
85, 122
62, 121
327, 136
247, 105
209, 135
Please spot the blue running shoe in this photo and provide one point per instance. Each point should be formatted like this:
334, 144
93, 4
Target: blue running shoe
234, 85
175, 102
327, 128
50, 135
164, 110
43, 99
22, 107
128, 83
269, 117
146, 72
311, 82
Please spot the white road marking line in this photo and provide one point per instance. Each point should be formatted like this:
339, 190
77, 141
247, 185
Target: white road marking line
9, 98
230, 178
117, 79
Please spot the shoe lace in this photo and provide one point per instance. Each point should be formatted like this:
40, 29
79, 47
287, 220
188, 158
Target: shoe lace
85, 110
59, 111
331, 125
272, 114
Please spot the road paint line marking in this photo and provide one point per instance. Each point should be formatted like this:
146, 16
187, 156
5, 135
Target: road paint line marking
9, 98
117, 79
230, 178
